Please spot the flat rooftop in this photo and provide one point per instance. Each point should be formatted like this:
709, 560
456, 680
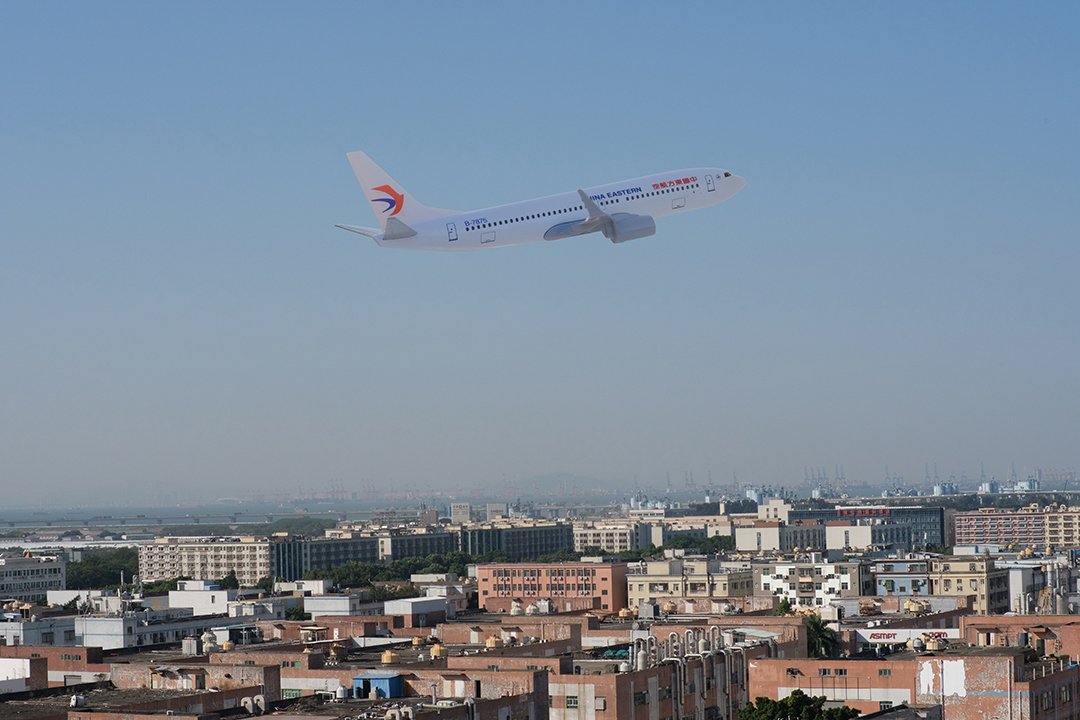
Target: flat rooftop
59, 704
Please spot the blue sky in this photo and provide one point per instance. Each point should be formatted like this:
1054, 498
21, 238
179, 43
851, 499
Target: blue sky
897, 285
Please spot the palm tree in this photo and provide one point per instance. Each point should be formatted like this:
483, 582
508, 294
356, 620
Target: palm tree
821, 639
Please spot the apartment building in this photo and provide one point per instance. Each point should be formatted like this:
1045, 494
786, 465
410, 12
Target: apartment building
396, 545
602, 584
614, 536
251, 558
1039, 528
1025, 527
690, 578
27, 577
814, 582
976, 576
901, 576
520, 540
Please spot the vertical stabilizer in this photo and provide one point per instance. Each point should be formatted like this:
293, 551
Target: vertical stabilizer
388, 199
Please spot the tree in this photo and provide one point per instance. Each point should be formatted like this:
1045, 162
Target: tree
382, 593
784, 608
266, 584
796, 706
821, 639
564, 555
296, 612
102, 568
162, 586
229, 582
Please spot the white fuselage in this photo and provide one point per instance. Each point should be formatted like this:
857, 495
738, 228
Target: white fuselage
523, 222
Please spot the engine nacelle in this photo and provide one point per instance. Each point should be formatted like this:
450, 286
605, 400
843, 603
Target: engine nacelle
627, 226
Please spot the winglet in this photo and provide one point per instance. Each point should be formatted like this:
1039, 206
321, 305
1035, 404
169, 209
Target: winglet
595, 213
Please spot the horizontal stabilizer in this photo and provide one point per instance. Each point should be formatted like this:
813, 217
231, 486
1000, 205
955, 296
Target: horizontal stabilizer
373, 233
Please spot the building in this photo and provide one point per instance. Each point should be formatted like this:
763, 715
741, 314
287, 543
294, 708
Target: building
967, 683
28, 577
928, 526
350, 605
613, 536
1035, 527
901, 576
201, 596
54, 631
602, 586
813, 582
1026, 527
519, 540
460, 513
776, 536
866, 535
496, 511
283, 557
396, 545
147, 628
976, 576
694, 578
774, 509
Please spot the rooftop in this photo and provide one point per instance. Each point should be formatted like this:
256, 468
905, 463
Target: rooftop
59, 703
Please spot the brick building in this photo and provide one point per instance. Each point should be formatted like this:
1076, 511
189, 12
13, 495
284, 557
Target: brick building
602, 584
968, 683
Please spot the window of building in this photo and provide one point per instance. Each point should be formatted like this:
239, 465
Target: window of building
884, 672
571, 701
824, 671
841, 671
884, 705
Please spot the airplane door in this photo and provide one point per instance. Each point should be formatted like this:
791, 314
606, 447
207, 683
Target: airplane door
451, 231
709, 184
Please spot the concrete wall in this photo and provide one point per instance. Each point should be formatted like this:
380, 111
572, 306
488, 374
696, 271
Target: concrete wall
183, 676
22, 674
64, 665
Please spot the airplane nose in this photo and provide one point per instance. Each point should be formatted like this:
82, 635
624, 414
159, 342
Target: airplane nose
731, 184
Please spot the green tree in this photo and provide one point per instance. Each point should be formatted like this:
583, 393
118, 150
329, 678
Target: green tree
796, 706
102, 568
382, 593
229, 582
266, 584
296, 612
821, 639
162, 586
784, 608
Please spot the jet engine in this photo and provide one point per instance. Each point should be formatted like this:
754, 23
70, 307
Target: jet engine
627, 226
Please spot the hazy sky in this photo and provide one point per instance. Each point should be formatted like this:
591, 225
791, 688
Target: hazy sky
897, 285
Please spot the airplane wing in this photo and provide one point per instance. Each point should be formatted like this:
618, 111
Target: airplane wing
597, 220
617, 228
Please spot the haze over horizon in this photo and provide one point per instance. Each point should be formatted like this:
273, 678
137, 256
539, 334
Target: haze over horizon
897, 284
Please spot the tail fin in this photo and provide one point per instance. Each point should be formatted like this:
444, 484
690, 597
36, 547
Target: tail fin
388, 199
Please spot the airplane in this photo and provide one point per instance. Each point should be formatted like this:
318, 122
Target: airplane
622, 211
